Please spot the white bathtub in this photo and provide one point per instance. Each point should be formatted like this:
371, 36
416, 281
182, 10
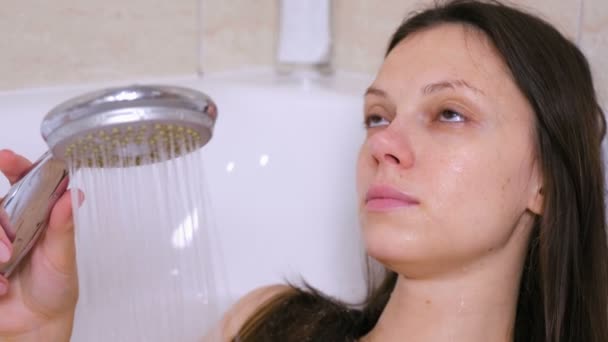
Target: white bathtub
280, 169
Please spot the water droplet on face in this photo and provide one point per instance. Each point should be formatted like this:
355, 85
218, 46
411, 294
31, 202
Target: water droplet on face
461, 305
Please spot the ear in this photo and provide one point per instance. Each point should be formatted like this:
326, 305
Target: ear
536, 194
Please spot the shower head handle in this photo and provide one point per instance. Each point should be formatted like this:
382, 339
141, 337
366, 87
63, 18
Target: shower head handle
25, 210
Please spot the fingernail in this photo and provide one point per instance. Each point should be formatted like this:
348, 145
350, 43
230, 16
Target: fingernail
80, 197
7, 151
3, 288
5, 252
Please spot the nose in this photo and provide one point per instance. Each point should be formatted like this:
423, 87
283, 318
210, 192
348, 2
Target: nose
391, 148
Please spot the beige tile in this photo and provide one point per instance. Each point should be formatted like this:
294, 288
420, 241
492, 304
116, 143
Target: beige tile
594, 42
238, 33
66, 41
363, 27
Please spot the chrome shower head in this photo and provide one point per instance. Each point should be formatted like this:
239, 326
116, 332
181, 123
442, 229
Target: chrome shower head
126, 126
115, 127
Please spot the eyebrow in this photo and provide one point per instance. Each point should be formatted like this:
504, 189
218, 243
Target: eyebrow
431, 88
449, 84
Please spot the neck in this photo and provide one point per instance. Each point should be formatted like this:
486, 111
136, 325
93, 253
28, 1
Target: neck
475, 304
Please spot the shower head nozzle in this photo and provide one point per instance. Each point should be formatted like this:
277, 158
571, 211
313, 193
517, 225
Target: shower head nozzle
128, 126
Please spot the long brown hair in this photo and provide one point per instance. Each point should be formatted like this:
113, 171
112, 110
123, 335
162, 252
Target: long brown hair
564, 288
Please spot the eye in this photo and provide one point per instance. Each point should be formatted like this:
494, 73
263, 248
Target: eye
448, 115
375, 120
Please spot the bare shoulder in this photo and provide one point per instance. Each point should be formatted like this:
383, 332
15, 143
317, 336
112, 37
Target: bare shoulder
242, 310
248, 305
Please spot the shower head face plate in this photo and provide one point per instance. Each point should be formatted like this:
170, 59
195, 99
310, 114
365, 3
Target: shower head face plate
129, 126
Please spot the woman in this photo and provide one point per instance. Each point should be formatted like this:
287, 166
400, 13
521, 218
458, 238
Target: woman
481, 191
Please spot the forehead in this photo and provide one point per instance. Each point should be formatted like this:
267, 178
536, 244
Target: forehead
447, 51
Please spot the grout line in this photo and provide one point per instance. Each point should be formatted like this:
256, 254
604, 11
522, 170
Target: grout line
581, 14
199, 38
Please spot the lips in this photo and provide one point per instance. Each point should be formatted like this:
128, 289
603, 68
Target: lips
383, 198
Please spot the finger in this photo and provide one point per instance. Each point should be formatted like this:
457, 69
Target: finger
13, 166
58, 241
61, 215
3, 286
6, 248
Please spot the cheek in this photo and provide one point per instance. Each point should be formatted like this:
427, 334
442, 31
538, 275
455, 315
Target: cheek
479, 196
448, 179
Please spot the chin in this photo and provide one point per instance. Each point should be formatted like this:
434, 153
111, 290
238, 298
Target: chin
390, 244
414, 253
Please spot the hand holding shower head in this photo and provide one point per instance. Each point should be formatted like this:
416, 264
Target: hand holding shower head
115, 127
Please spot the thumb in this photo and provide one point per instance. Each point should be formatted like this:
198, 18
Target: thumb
58, 242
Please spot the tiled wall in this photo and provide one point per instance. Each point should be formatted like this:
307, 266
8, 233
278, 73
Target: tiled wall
238, 33
46, 43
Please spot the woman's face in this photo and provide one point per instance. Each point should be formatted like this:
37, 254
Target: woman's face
447, 173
